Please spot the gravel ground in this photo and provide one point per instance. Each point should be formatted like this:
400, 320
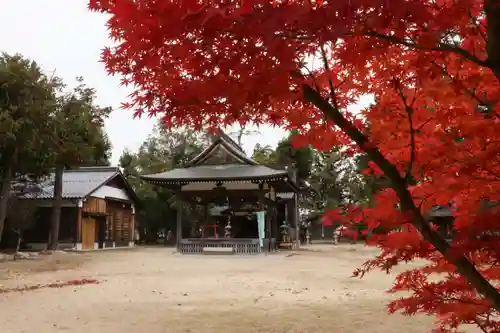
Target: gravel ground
156, 290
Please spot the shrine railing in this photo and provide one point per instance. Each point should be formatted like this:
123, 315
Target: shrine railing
242, 246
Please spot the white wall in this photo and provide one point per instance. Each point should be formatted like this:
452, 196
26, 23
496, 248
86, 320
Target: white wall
110, 192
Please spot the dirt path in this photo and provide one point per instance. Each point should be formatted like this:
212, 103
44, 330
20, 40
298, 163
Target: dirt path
156, 291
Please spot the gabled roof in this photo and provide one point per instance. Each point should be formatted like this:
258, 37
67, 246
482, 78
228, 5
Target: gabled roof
81, 182
222, 147
223, 160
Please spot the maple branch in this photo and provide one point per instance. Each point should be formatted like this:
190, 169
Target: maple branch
330, 83
409, 113
293, 36
439, 47
400, 186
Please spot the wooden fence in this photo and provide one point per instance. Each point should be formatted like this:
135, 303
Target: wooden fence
241, 246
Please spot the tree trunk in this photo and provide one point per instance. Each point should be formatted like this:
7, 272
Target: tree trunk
492, 12
465, 267
4, 197
55, 217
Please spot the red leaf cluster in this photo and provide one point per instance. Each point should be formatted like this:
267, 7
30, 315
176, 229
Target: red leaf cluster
433, 68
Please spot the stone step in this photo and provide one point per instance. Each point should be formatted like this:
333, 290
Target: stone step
217, 250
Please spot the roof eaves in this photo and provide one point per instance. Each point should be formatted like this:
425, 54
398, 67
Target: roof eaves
277, 176
129, 188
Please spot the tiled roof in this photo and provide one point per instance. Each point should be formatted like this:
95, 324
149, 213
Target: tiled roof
223, 160
77, 183
217, 172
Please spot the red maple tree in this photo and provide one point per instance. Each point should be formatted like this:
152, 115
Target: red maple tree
433, 67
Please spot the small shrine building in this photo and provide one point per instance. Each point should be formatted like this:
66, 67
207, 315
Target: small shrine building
247, 207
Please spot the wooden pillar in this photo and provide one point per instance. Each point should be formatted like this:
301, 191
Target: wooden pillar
79, 221
276, 223
132, 226
274, 215
296, 219
206, 220
261, 206
179, 222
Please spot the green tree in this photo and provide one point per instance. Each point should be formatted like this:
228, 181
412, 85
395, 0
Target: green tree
265, 155
27, 99
286, 156
162, 151
300, 158
77, 139
372, 183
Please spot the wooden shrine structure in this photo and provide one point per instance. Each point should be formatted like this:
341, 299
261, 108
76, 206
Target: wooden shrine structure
232, 190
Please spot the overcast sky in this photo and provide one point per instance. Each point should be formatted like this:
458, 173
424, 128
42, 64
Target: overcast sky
63, 36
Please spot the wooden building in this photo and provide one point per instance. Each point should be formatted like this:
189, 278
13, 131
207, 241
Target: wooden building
98, 211
246, 205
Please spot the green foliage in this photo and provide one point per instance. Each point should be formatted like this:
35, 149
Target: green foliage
162, 151
78, 138
285, 156
301, 159
27, 100
41, 127
265, 155
372, 183
332, 177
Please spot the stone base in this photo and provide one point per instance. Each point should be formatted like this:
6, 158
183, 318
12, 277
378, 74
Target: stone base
108, 246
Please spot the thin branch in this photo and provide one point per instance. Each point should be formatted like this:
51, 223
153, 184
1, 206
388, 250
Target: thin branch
294, 36
330, 83
439, 47
409, 113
